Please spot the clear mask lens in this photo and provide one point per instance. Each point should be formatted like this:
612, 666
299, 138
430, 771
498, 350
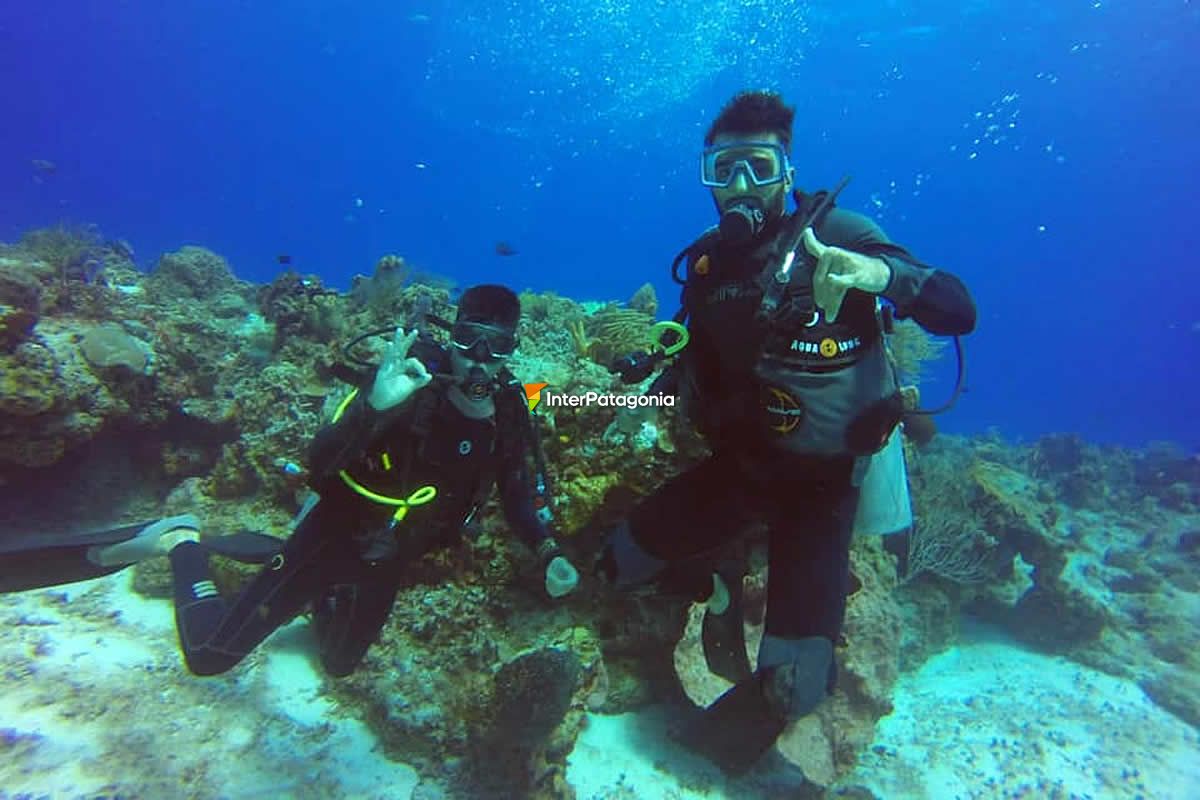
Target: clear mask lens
481, 342
763, 164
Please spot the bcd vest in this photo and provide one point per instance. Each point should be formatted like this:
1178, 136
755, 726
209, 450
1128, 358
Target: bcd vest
797, 381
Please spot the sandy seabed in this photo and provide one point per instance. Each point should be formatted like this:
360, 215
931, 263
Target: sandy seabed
95, 701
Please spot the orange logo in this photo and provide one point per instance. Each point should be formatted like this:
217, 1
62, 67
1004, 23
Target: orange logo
533, 394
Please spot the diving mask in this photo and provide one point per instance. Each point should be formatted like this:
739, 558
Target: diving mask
763, 163
482, 343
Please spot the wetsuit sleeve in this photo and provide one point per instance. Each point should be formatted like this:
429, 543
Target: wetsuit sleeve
516, 500
936, 299
345, 441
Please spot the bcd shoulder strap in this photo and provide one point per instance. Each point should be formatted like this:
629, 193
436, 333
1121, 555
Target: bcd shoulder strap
779, 272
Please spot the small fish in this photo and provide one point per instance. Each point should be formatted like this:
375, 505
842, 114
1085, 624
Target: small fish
43, 166
284, 260
505, 249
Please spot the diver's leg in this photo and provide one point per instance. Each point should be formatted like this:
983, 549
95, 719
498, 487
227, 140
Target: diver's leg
808, 561
683, 539
351, 611
694, 514
215, 634
811, 520
349, 616
809, 577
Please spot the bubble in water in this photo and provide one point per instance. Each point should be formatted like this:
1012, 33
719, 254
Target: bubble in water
610, 61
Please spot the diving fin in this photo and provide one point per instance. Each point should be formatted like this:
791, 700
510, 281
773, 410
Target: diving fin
736, 730
40, 561
248, 547
145, 544
724, 634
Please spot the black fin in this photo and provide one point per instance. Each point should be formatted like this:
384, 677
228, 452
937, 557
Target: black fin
724, 635
42, 560
248, 547
736, 730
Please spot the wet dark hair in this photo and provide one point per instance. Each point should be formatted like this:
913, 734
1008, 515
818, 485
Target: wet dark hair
754, 111
490, 304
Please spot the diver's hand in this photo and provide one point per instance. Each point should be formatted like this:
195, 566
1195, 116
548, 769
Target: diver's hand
839, 270
561, 577
398, 376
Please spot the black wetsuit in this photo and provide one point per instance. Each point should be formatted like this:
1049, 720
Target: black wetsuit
338, 559
759, 470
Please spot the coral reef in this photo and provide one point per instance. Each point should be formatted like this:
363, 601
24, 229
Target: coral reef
126, 395
613, 330
108, 346
912, 348
299, 307
531, 695
383, 292
72, 252
1109, 587
645, 300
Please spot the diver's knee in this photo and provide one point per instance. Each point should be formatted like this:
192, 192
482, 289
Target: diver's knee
622, 561
798, 673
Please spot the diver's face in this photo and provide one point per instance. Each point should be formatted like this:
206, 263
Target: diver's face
773, 197
464, 368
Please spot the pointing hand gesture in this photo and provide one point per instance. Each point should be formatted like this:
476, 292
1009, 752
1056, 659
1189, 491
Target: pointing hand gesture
839, 270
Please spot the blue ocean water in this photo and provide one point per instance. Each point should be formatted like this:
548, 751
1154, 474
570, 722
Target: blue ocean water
1046, 153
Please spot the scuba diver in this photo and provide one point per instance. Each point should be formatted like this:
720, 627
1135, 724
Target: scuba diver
787, 376
404, 465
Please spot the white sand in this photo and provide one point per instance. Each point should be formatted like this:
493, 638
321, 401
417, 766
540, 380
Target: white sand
1060, 731
988, 719
630, 756
98, 705
91, 704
